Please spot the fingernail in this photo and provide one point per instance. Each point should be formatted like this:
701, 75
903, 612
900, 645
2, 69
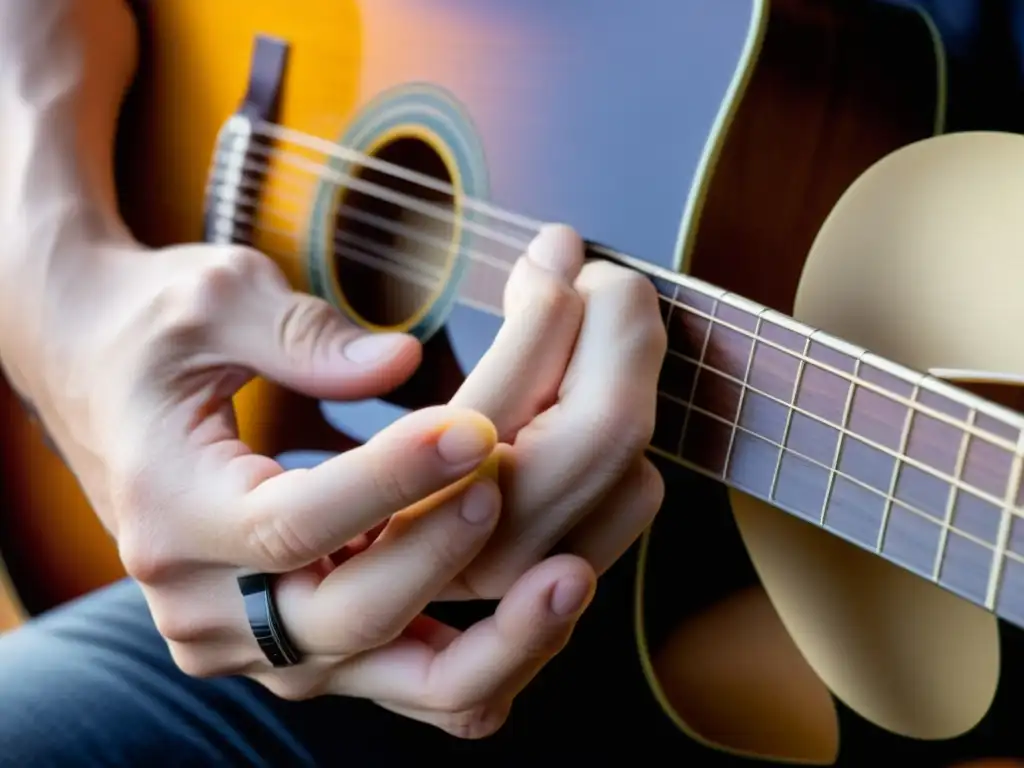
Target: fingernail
559, 249
467, 440
373, 346
480, 503
569, 595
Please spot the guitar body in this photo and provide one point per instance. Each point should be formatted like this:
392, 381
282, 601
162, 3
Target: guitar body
683, 133
920, 259
935, 221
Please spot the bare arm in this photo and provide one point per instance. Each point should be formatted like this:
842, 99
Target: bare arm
64, 68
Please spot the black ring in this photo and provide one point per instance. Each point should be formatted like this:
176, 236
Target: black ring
266, 625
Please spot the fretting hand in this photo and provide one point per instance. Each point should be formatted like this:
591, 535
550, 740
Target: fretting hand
571, 385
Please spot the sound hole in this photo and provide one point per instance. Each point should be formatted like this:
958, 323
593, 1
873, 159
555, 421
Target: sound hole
392, 259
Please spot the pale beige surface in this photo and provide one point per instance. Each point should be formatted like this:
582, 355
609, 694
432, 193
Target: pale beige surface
921, 261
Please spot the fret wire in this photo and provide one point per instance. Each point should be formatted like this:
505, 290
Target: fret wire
673, 304
897, 466
927, 469
954, 492
696, 376
962, 396
678, 459
789, 417
1005, 520
847, 407
743, 394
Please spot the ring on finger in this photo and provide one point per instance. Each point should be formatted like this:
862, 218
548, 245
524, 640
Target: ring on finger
265, 621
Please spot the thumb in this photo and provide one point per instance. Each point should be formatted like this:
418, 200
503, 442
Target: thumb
304, 343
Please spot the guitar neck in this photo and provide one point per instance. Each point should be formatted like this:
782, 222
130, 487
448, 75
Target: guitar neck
898, 462
923, 473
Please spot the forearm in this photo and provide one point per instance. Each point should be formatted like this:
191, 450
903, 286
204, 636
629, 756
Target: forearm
64, 68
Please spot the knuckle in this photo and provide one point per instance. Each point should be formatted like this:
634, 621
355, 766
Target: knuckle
190, 304
304, 327
640, 431
147, 557
220, 277
367, 630
650, 488
367, 634
544, 645
638, 290
176, 626
451, 701
290, 688
390, 485
193, 662
549, 303
183, 626
632, 299
278, 545
445, 554
532, 294
477, 722
643, 315
245, 264
181, 315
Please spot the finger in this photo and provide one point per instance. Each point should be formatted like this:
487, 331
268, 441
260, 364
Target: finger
201, 616
297, 516
542, 317
317, 352
571, 455
370, 599
491, 661
605, 534
476, 723
295, 338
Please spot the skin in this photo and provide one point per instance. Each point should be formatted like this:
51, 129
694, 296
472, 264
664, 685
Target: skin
130, 355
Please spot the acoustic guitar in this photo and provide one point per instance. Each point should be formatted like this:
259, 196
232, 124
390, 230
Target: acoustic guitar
395, 157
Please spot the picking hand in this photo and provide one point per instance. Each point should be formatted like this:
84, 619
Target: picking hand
132, 358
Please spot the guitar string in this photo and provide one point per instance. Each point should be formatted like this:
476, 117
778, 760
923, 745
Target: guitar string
407, 202
945, 525
342, 179
335, 150
913, 404
274, 131
280, 133
957, 483
378, 222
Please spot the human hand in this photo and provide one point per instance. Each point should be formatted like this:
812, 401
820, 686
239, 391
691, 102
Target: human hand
131, 358
571, 385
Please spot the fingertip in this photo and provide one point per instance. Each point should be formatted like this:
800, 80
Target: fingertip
481, 503
573, 590
373, 348
548, 596
366, 365
558, 248
467, 437
570, 596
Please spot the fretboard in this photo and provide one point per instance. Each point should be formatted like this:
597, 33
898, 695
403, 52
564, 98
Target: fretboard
921, 472
898, 462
